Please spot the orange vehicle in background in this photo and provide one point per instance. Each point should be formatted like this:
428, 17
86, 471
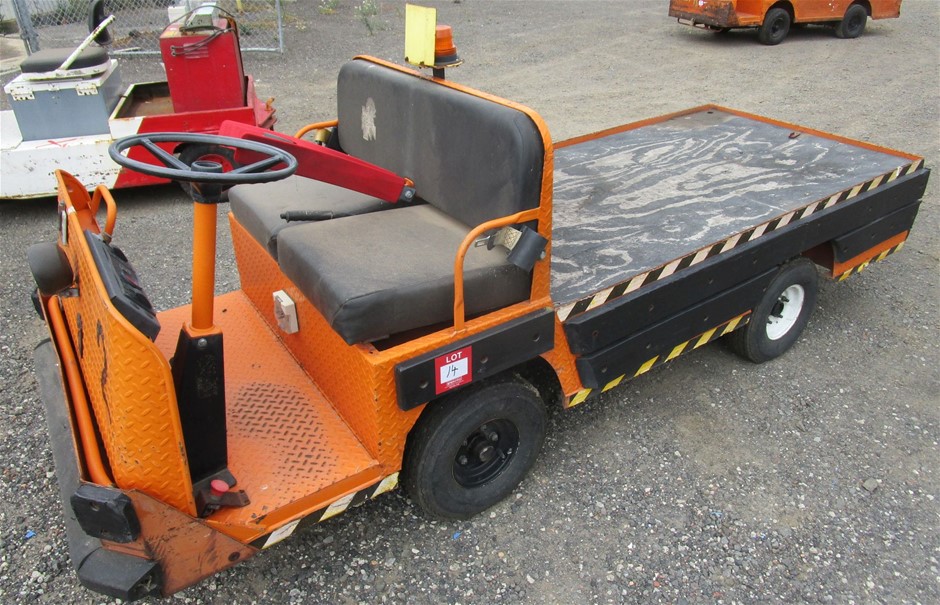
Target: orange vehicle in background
773, 18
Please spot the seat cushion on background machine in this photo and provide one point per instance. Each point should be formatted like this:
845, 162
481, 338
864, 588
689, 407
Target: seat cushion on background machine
50, 59
258, 208
398, 277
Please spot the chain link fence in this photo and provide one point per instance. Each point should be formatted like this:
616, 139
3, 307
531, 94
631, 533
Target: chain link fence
138, 23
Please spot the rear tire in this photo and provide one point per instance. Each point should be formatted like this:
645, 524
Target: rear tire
853, 23
775, 27
779, 318
470, 450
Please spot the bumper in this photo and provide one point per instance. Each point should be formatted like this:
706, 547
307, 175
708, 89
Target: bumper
709, 15
115, 574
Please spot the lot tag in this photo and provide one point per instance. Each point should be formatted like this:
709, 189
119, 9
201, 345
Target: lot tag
453, 369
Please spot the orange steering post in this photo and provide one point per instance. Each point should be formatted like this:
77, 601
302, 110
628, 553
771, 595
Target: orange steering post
205, 217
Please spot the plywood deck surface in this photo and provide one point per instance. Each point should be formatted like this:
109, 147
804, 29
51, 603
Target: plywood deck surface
633, 201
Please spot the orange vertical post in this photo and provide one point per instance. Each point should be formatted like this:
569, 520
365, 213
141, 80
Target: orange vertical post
204, 224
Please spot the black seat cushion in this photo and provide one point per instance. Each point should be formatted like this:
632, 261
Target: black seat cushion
258, 208
50, 59
379, 274
471, 157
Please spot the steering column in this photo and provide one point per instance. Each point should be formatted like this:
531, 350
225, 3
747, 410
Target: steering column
198, 364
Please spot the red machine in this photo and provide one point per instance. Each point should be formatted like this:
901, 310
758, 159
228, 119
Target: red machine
67, 117
187, 58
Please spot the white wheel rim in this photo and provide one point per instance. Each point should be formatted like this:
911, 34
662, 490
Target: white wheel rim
785, 312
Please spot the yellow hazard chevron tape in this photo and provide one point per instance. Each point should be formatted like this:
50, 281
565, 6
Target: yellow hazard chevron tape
702, 339
339, 506
579, 397
858, 269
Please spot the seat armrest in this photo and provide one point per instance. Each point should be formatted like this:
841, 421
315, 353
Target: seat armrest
513, 219
315, 126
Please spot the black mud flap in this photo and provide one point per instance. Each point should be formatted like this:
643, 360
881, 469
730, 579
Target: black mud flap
111, 573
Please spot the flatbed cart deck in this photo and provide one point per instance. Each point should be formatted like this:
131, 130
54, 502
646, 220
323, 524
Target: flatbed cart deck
634, 199
649, 213
454, 275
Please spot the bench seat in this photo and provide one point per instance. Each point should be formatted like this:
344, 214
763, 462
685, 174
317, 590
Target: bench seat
258, 208
397, 274
471, 159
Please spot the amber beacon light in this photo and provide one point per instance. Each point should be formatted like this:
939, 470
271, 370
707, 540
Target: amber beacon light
445, 52
428, 44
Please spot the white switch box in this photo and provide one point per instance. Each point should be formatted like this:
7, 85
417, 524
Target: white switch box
285, 311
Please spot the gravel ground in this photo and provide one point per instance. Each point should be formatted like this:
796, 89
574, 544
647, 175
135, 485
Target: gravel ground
810, 479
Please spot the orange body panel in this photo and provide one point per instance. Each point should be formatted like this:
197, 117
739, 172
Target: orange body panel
866, 256
127, 379
563, 362
358, 380
187, 548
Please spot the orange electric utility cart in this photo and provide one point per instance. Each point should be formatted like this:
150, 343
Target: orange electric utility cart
773, 18
416, 289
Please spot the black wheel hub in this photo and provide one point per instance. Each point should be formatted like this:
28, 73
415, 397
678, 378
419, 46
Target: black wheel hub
777, 310
486, 452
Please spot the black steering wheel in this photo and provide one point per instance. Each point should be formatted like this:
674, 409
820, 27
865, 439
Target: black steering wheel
199, 172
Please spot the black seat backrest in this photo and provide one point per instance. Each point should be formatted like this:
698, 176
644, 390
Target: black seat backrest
470, 157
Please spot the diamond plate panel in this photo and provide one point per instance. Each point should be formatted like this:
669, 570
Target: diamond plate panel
342, 372
287, 447
130, 388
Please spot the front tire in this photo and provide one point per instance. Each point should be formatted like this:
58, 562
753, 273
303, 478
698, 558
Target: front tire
469, 450
779, 318
853, 23
775, 27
